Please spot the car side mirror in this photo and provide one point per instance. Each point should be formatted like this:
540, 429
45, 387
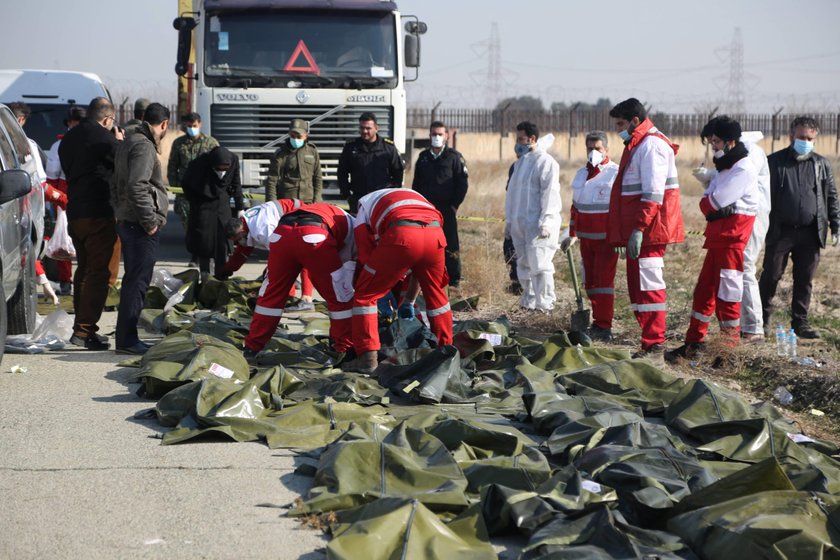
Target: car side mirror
14, 183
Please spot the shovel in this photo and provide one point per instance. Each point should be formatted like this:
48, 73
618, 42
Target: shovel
581, 317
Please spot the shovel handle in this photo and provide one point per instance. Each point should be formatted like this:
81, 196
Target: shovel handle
575, 282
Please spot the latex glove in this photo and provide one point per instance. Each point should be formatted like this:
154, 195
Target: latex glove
703, 175
567, 243
240, 214
48, 289
507, 229
634, 245
545, 232
622, 252
724, 212
835, 240
406, 311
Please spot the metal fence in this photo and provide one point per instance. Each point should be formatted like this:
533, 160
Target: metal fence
125, 112
580, 122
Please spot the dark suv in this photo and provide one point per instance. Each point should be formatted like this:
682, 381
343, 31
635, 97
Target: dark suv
21, 228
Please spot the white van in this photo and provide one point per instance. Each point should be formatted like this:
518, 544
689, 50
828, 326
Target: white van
49, 93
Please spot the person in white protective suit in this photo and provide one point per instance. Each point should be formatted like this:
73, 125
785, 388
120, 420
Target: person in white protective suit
752, 320
532, 217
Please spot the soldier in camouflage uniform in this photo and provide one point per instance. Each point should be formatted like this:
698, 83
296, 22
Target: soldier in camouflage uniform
131, 126
184, 150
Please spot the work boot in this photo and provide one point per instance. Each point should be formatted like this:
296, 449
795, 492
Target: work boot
366, 362
806, 331
597, 333
687, 351
652, 352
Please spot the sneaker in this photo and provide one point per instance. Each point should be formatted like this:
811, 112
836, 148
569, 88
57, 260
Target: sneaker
249, 355
597, 333
366, 362
301, 306
90, 342
137, 349
652, 351
752, 338
807, 331
687, 351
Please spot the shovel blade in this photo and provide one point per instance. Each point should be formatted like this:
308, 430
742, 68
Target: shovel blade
580, 320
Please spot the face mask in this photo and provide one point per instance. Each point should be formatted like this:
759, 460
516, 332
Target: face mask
719, 154
803, 147
624, 135
220, 172
192, 132
296, 143
595, 157
521, 149
437, 141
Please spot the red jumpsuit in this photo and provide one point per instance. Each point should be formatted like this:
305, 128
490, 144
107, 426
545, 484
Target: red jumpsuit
398, 230
720, 285
318, 237
590, 215
647, 197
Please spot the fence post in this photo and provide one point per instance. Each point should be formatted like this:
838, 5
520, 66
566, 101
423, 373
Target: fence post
502, 129
434, 111
572, 131
837, 136
774, 124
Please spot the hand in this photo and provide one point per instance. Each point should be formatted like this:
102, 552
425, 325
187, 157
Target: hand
835, 240
724, 212
634, 244
240, 214
48, 290
545, 232
703, 175
406, 311
153, 231
567, 243
622, 252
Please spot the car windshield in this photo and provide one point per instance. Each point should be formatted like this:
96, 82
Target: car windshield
301, 48
45, 123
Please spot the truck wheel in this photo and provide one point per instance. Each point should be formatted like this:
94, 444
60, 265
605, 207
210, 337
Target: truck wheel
21, 308
3, 319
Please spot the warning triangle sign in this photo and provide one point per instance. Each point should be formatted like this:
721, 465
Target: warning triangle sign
291, 65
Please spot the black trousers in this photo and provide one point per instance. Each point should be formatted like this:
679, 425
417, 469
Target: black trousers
510, 258
139, 251
802, 245
220, 254
452, 254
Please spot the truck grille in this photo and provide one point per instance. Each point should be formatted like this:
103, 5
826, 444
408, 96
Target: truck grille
246, 129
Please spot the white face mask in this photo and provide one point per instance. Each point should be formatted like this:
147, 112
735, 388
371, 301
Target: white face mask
220, 172
438, 141
719, 154
595, 157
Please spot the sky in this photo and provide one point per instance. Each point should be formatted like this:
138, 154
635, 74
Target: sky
672, 54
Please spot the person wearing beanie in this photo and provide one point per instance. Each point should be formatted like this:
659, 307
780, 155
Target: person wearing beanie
729, 205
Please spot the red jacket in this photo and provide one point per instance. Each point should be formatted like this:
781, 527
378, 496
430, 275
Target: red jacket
340, 224
646, 193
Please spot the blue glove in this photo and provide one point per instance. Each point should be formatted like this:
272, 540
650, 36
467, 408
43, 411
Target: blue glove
634, 245
386, 305
406, 311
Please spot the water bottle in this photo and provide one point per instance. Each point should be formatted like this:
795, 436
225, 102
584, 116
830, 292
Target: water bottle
791, 344
781, 343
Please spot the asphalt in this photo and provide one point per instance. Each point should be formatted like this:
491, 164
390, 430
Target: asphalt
81, 477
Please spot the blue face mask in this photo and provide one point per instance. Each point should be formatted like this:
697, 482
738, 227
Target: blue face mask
192, 131
803, 147
624, 135
521, 149
296, 143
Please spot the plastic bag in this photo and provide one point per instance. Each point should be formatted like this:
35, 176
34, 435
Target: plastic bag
167, 283
51, 333
60, 246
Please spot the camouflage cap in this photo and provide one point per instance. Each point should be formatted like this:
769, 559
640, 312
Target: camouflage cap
141, 103
299, 125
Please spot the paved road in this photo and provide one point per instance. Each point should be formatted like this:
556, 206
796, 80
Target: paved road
81, 478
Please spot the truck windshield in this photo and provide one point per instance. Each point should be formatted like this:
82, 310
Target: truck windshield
301, 48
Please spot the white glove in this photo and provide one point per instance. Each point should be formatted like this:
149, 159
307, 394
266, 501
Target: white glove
240, 214
703, 175
835, 240
507, 229
567, 243
48, 289
545, 232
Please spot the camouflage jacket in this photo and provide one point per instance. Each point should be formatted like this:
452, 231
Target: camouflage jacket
184, 150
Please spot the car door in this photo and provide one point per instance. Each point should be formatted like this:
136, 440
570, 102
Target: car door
9, 222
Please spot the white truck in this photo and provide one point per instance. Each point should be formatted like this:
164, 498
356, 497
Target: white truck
258, 64
49, 93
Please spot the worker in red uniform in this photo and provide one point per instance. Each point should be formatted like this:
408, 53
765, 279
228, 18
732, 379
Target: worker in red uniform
318, 237
253, 230
730, 204
591, 189
645, 216
397, 230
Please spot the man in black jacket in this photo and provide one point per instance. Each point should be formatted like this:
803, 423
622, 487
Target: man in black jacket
368, 163
441, 176
804, 207
140, 202
87, 158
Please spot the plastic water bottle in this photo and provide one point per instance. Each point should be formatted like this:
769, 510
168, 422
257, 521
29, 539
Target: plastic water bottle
791, 344
781, 343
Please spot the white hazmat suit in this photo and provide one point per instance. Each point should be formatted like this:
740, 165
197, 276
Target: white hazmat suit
532, 215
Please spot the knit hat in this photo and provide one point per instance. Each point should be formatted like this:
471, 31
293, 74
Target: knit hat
727, 129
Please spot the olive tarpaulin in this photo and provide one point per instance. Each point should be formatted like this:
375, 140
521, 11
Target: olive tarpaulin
572, 451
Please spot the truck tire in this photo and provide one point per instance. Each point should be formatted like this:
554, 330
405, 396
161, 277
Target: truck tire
21, 308
3, 320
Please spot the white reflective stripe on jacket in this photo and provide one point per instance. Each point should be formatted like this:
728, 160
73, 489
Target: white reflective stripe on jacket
593, 196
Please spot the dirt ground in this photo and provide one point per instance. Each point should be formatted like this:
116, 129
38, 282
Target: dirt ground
752, 369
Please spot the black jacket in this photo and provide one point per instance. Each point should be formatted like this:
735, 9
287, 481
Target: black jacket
209, 199
783, 175
442, 180
87, 157
364, 168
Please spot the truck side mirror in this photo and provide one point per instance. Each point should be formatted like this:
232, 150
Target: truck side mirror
414, 28
184, 25
14, 183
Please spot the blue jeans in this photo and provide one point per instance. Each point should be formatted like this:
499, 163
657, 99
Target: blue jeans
139, 251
